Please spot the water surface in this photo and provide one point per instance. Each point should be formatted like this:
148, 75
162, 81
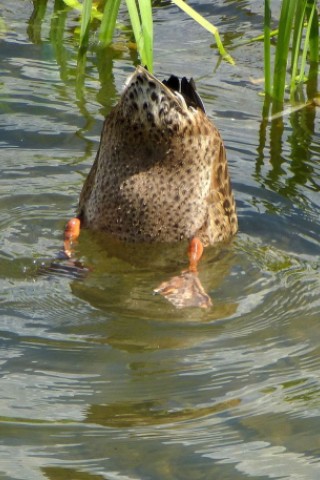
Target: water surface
99, 378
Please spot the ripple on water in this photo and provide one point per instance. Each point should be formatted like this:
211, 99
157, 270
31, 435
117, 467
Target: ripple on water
99, 377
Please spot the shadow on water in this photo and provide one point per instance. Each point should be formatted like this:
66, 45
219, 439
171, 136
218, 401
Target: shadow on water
128, 414
61, 473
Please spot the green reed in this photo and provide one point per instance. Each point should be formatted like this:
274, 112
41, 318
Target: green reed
207, 26
141, 19
292, 61
297, 42
140, 13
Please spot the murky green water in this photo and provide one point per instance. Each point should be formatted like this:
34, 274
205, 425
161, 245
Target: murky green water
99, 378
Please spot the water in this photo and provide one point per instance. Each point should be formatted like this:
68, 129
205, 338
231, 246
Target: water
99, 378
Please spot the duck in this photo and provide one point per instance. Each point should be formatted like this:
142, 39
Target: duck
160, 175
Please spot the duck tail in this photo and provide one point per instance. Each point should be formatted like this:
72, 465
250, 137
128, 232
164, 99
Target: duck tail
187, 88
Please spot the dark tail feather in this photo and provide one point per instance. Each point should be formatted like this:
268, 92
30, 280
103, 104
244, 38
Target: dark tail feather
188, 90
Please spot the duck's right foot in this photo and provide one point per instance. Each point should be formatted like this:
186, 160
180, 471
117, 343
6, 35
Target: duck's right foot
185, 290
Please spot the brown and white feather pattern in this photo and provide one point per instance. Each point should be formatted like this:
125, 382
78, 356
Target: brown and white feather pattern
161, 172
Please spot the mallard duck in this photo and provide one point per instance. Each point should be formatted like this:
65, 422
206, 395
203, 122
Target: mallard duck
160, 175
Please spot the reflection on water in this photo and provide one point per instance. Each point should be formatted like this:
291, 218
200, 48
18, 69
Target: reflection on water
99, 377
150, 413
285, 176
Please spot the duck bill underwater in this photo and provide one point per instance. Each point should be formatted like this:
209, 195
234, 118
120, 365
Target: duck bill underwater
160, 175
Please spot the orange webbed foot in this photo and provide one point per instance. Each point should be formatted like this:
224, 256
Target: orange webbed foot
186, 290
66, 265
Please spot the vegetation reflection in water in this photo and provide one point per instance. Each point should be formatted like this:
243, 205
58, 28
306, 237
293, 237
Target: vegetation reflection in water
297, 30
100, 379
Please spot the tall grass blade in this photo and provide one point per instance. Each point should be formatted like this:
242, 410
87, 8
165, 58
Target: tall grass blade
147, 31
282, 50
312, 85
267, 54
313, 21
108, 23
140, 30
85, 23
135, 23
207, 25
306, 46
296, 43
299, 32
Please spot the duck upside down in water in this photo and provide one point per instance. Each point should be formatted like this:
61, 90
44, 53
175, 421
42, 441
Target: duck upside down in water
160, 175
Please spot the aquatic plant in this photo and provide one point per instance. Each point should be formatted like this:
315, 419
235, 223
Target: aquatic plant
297, 37
140, 13
106, 12
297, 33
294, 44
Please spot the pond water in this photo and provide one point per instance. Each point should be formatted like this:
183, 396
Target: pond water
100, 379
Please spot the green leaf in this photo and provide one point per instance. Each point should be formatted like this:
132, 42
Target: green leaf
282, 50
313, 22
85, 22
108, 23
147, 31
296, 42
142, 30
306, 43
267, 55
135, 20
74, 4
207, 25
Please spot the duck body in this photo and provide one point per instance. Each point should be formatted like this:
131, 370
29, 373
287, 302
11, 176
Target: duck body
160, 174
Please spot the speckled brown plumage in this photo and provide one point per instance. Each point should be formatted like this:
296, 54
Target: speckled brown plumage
161, 172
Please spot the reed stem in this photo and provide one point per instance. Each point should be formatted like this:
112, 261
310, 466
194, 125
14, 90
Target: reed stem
267, 53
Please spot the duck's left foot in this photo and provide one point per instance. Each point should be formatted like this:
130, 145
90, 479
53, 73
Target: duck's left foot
185, 290
71, 234
66, 263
